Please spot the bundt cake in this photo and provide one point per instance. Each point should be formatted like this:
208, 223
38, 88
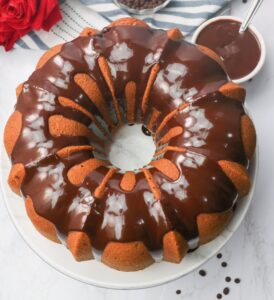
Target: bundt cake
78, 96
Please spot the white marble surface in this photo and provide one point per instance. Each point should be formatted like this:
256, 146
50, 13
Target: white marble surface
249, 253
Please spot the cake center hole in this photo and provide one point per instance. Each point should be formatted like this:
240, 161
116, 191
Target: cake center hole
132, 147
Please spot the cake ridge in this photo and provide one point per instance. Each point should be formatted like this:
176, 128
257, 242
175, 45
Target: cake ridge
68, 102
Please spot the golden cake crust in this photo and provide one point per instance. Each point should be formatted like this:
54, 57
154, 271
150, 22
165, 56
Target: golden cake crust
238, 175
79, 244
12, 131
233, 91
175, 247
175, 34
48, 55
88, 31
16, 177
127, 257
248, 136
44, 226
129, 22
211, 225
212, 55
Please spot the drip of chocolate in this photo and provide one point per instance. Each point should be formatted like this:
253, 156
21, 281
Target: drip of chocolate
185, 75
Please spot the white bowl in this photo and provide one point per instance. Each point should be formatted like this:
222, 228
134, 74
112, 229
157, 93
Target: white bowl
256, 33
96, 273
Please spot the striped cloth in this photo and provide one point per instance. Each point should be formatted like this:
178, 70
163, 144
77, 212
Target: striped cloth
187, 15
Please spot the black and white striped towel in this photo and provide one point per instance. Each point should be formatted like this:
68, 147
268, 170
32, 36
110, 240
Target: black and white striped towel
187, 15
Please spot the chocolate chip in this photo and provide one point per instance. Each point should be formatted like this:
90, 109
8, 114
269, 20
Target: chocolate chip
146, 131
178, 292
219, 255
237, 280
224, 264
202, 273
228, 279
226, 291
219, 296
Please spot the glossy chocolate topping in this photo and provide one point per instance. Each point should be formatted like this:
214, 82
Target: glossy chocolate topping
240, 51
211, 125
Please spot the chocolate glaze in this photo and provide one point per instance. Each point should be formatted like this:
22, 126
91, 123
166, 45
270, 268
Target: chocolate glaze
185, 75
212, 127
184, 201
240, 52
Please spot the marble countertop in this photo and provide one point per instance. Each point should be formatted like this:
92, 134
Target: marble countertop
249, 254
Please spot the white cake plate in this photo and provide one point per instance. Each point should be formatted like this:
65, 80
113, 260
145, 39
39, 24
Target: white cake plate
96, 273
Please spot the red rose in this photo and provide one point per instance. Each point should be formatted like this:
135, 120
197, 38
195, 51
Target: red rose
18, 17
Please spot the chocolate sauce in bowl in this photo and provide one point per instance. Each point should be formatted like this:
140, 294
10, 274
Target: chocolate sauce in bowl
241, 52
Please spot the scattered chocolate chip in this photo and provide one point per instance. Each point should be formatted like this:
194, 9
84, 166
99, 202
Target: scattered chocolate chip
244, 1
228, 279
226, 291
202, 273
219, 296
219, 255
178, 292
146, 131
250, 80
224, 264
237, 280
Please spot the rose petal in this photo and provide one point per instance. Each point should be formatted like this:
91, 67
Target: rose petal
18, 17
46, 8
9, 39
52, 19
23, 13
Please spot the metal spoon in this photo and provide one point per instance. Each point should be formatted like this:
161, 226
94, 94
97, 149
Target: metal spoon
251, 13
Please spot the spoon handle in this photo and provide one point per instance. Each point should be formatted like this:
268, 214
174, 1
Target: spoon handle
251, 13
